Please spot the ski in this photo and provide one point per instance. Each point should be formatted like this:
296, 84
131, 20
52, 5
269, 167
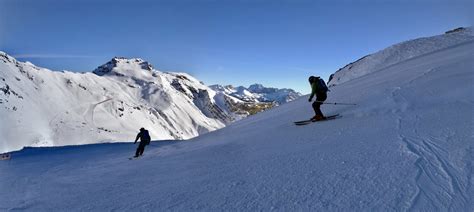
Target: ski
305, 122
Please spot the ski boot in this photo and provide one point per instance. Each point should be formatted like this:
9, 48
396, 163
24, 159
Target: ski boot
318, 118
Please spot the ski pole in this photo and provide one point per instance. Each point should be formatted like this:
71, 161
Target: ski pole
335, 103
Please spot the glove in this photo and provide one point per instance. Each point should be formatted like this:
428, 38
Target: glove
311, 99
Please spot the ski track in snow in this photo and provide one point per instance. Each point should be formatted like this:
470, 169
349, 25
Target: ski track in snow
432, 161
89, 113
434, 170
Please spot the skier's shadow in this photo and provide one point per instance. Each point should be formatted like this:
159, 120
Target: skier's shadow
74, 152
156, 145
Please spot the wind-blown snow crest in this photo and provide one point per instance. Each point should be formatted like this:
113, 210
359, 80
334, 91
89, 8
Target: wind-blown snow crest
399, 53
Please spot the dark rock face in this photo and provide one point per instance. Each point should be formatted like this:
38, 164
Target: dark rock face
107, 67
330, 78
459, 29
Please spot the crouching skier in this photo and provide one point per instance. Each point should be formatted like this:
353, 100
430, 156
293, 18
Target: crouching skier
318, 88
145, 139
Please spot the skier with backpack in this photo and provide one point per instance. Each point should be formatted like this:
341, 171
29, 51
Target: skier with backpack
318, 88
145, 139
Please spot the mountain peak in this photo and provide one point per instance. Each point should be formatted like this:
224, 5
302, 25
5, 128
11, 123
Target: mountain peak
256, 86
259, 88
121, 66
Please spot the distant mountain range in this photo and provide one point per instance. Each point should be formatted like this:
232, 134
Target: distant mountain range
258, 93
242, 101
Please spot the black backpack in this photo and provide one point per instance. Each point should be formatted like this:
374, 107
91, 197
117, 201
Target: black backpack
322, 85
146, 137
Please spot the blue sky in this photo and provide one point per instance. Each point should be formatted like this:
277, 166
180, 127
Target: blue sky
278, 43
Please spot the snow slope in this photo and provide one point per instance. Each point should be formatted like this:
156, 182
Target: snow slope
406, 146
398, 53
40, 107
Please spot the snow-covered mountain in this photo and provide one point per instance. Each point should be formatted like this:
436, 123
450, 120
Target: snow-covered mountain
40, 107
258, 93
399, 53
242, 102
406, 146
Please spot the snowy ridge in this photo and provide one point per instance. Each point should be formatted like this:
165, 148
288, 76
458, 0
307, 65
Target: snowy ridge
64, 108
398, 53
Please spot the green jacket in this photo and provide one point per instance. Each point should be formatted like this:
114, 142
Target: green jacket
314, 89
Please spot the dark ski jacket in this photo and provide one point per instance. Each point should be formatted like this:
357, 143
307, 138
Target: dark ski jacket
144, 137
315, 89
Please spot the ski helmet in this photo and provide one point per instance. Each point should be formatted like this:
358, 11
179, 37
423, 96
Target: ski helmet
311, 79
